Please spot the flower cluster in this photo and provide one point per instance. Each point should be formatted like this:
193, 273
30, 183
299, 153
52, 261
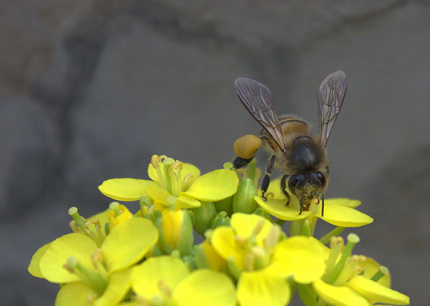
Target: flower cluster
150, 257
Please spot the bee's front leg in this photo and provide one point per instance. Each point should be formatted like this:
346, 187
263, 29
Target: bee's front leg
284, 187
266, 179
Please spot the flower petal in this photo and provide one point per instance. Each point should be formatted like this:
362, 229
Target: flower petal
260, 288
279, 209
74, 294
120, 253
244, 225
300, 256
376, 292
213, 186
340, 296
34, 267
165, 270
77, 245
370, 267
344, 216
223, 241
205, 287
125, 189
342, 202
185, 201
117, 288
158, 194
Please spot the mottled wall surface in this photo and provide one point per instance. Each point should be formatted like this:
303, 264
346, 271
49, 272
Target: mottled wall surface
89, 90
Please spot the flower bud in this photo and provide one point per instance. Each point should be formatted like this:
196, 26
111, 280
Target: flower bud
203, 216
176, 231
243, 199
221, 219
225, 205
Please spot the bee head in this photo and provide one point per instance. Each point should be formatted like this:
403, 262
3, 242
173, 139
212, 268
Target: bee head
307, 185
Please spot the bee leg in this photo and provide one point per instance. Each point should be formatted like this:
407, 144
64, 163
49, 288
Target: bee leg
266, 179
284, 187
301, 204
240, 162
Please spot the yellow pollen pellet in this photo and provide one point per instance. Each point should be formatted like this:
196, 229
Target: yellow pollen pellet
246, 146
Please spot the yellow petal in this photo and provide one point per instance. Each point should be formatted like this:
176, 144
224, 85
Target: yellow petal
376, 292
125, 189
34, 268
128, 242
223, 241
345, 216
211, 258
279, 209
340, 296
77, 245
74, 294
185, 201
158, 194
165, 270
244, 225
186, 169
274, 191
300, 256
370, 267
213, 186
259, 288
342, 202
118, 286
205, 287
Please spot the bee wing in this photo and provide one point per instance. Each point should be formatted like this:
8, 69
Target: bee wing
330, 97
257, 99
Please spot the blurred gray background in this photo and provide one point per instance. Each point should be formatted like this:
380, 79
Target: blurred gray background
90, 89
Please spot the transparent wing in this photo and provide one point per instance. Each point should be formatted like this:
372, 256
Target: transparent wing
330, 97
257, 99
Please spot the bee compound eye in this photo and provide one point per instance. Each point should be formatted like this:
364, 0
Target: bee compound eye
294, 181
321, 178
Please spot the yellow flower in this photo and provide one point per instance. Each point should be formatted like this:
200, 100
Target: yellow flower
262, 262
165, 280
351, 280
174, 183
339, 212
101, 275
176, 231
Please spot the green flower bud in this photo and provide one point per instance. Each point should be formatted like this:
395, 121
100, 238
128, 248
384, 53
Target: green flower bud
220, 219
225, 205
203, 216
243, 199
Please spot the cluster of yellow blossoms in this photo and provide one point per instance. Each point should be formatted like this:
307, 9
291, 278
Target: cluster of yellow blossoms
150, 258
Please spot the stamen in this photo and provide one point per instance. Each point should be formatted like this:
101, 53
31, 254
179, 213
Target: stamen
74, 227
353, 239
175, 178
257, 229
273, 237
187, 181
163, 287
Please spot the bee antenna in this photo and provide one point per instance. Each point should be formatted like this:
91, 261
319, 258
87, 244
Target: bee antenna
322, 208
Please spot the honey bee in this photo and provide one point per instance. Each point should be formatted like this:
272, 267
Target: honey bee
294, 150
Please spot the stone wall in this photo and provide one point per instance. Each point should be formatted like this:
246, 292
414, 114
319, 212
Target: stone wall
90, 89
